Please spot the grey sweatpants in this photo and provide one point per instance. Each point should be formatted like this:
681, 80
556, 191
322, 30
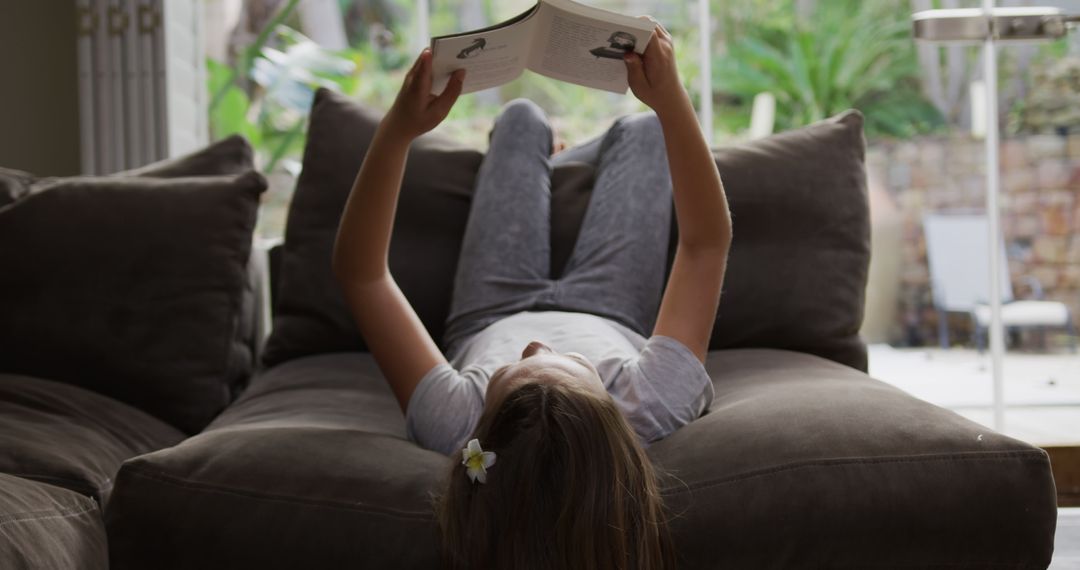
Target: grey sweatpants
616, 269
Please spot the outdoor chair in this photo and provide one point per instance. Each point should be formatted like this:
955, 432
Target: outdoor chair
958, 254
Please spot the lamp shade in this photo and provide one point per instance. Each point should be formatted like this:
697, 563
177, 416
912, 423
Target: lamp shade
971, 25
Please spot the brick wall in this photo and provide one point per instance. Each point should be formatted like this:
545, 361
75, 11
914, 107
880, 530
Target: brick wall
1040, 198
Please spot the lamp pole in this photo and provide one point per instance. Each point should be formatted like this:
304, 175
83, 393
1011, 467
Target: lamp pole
423, 22
988, 25
993, 217
705, 58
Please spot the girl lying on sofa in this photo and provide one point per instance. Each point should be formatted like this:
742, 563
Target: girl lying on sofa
550, 388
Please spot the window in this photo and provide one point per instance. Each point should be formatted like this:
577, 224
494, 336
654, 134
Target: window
267, 58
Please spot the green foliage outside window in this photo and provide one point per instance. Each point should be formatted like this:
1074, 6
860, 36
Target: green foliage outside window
816, 57
267, 92
846, 54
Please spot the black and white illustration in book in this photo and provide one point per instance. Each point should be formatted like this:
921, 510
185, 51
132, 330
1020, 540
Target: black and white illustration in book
561, 39
619, 44
472, 50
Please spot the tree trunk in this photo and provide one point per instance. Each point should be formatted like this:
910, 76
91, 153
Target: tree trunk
1022, 54
254, 16
958, 76
322, 22
804, 10
930, 62
222, 18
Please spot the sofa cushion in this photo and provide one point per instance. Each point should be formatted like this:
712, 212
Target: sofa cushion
310, 315
14, 184
801, 463
70, 437
231, 155
797, 270
312, 458
796, 273
131, 287
42, 526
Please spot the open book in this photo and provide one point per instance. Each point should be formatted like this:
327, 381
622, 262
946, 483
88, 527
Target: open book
557, 38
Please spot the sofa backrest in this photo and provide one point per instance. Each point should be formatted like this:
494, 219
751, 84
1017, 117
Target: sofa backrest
796, 274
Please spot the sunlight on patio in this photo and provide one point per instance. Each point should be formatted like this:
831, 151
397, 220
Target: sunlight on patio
1042, 391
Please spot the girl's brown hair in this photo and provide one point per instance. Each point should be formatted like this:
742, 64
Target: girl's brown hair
571, 488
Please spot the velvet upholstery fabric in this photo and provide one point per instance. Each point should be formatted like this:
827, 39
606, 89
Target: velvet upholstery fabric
818, 465
310, 315
14, 184
571, 184
797, 270
801, 463
346, 491
42, 526
133, 288
231, 155
70, 437
796, 274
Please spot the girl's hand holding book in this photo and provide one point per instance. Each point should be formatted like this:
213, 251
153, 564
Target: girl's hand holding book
653, 75
415, 110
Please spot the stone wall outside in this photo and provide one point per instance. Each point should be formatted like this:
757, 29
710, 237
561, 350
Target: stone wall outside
1040, 199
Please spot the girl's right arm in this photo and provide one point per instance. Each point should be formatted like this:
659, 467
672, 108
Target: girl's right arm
397, 339
688, 309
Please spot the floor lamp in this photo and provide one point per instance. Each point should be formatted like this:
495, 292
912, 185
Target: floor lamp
988, 26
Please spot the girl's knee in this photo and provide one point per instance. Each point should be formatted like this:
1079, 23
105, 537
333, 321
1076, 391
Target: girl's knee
522, 110
522, 123
646, 124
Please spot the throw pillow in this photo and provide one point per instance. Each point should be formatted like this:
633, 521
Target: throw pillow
310, 315
131, 287
796, 274
14, 184
231, 155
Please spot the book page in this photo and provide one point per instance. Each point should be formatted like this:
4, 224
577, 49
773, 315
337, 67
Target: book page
584, 10
490, 57
585, 45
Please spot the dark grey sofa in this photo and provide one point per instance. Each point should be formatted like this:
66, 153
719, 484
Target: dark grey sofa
126, 324
45, 526
803, 461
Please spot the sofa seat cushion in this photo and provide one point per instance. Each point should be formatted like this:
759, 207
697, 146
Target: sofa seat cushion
71, 437
312, 458
801, 463
43, 526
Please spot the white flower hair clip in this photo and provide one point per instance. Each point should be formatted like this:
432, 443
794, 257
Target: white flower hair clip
477, 461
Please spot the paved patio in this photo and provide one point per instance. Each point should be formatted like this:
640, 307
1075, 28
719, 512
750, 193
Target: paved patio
1067, 541
1042, 391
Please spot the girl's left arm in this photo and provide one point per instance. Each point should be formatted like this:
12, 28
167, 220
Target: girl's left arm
397, 339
